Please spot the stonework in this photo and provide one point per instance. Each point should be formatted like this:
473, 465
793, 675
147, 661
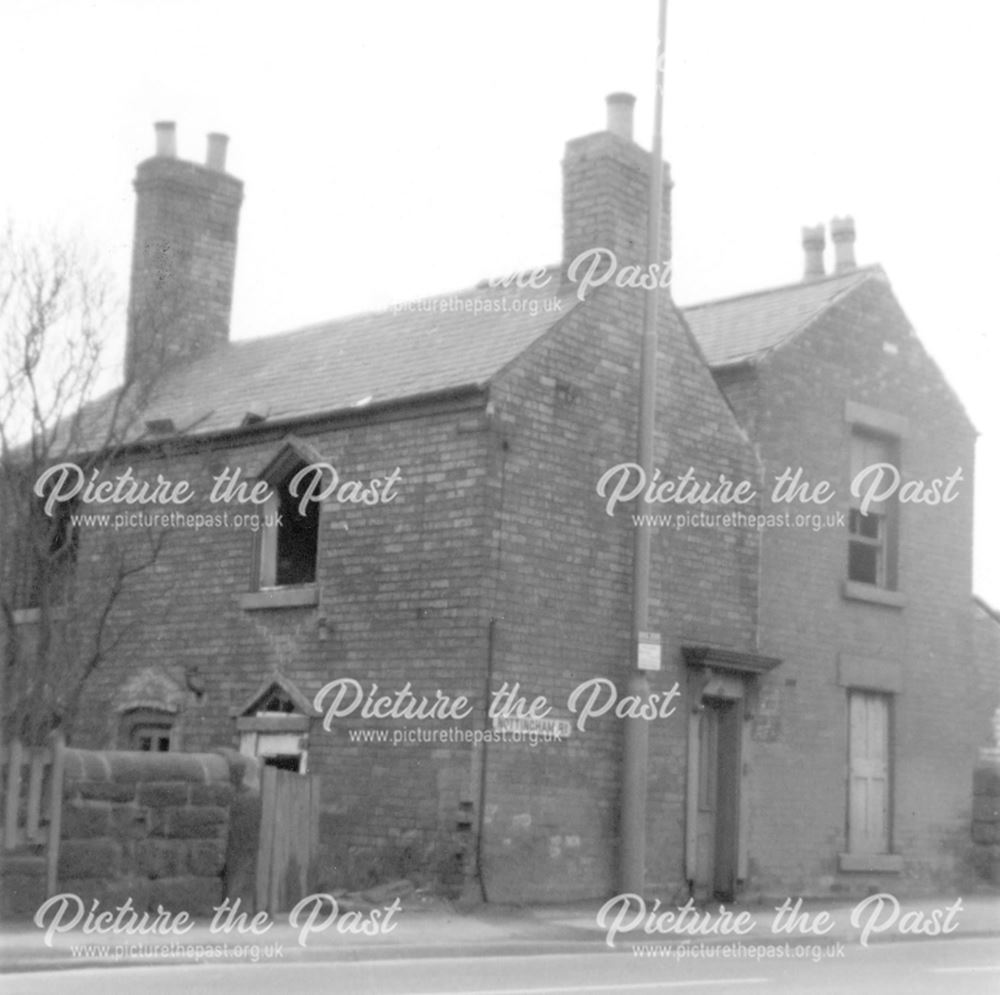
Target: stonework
150, 827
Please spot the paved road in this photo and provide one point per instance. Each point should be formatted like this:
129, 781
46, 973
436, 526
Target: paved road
953, 966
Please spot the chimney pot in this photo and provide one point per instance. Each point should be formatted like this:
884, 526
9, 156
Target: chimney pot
842, 235
166, 139
813, 245
621, 108
216, 155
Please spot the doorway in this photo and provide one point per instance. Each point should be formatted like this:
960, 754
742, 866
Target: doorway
718, 775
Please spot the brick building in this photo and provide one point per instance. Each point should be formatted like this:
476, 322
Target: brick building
819, 693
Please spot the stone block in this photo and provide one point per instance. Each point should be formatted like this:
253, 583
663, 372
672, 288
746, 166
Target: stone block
85, 766
105, 791
158, 858
206, 858
83, 820
194, 895
204, 822
212, 794
198, 768
88, 858
129, 822
160, 794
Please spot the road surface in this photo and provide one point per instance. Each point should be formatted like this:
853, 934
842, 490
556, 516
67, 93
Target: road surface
913, 967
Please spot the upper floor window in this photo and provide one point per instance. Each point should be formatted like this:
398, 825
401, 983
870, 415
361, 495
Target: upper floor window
288, 542
871, 547
45, 553
289, 539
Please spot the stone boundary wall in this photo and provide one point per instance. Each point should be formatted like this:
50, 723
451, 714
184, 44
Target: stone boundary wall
150, 827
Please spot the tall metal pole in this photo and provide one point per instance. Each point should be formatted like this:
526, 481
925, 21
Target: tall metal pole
636, 747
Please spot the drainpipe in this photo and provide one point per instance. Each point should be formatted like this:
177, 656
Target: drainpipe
490, 656
481, 821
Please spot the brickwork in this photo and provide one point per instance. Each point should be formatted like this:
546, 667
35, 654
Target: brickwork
399, 601
183, 261
606, 197
862, 350
497, 562
567, 413
986, 819
564, 582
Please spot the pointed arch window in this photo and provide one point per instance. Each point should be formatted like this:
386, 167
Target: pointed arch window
288, 542
274, 725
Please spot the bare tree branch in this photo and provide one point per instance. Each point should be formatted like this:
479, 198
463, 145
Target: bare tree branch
58, 612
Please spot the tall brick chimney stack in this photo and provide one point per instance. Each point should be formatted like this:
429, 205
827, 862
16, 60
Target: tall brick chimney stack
183, 255
842, 235
813, 247
606, 191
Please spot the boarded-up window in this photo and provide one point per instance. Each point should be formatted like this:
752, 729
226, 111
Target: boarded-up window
869, 781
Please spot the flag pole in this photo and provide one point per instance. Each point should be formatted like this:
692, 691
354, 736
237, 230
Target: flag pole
636, 744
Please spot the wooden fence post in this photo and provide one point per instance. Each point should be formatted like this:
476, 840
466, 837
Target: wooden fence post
12, 802
58, 747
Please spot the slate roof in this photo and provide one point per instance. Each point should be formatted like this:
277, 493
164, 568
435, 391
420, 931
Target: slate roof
735, 329
418, 348
436, 345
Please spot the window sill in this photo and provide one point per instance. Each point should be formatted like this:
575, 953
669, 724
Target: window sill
855, 591
886, 863
280, 597
31, 616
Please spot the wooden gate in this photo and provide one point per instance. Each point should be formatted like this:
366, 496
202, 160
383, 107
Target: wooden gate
289, 838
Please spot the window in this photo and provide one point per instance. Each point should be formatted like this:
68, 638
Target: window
151, 739
871, 547
869, 788
277, 701
274, 725
288, 542
47, 554
290, 538
149, 730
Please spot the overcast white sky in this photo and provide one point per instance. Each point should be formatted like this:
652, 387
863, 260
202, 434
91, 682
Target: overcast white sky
391, 150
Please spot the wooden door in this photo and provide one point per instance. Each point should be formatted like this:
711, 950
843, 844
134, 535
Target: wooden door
727, 809
289, 838
718, 805
868, 807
